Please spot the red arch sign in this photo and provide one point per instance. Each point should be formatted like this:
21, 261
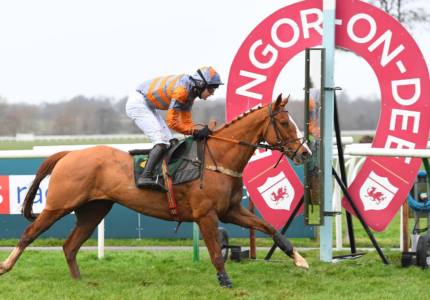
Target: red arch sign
383, 182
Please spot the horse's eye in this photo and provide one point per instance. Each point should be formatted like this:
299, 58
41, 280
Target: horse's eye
284, 124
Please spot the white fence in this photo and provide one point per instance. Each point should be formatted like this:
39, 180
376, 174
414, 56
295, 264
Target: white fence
30, 137
354, 155
45, 151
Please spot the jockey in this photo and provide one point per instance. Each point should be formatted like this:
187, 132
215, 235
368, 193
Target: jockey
176, 94
314, 144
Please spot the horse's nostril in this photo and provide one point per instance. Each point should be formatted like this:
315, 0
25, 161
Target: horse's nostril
305, 154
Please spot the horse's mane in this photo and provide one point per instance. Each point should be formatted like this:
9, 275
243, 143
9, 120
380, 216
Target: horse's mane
240, 117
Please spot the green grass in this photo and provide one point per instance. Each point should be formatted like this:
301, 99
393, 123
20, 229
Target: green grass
173, 275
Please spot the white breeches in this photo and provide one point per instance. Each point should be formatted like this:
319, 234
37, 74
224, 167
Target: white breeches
148, 119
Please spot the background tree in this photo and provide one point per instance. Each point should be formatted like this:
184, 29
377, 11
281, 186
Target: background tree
410, 13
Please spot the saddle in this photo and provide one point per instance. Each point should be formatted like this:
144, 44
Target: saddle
183, 160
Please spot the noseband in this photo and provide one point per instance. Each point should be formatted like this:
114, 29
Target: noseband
283, 144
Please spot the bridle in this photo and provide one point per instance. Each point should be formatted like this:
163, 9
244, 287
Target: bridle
284, 145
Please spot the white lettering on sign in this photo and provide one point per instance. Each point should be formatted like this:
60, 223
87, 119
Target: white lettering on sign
275, 37
401, 66
243, 90
400, 144
269, 48
406, 114
316, 24
396, 83
18, 190
245, 193
386, 39
369, 36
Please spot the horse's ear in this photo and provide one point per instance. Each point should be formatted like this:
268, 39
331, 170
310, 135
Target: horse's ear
285, 101
278, 101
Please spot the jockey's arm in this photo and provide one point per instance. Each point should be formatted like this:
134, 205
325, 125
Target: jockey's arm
314, 129
178, 114
182, 125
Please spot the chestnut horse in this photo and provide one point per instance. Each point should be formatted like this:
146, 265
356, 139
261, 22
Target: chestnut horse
90, 181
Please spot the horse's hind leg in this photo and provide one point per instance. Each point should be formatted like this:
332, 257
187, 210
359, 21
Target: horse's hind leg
239, 215
88, 217
39, 226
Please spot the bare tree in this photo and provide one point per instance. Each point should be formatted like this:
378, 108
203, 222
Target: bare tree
105, 121
408, 12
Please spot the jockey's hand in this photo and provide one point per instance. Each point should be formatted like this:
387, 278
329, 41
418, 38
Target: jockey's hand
203, 133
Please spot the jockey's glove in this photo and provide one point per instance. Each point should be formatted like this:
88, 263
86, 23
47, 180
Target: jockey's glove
203, 133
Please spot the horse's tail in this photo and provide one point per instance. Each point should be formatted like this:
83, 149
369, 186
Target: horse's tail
45, 169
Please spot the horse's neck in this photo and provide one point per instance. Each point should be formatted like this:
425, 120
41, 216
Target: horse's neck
249, 129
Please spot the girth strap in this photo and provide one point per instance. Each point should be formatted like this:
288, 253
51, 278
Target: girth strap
171, 202
224, 171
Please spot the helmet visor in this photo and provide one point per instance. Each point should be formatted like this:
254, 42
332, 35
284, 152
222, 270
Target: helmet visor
212, 87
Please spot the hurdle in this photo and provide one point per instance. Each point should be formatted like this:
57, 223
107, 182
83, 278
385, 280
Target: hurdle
424, 154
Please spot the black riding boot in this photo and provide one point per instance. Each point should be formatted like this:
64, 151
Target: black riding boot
145, 180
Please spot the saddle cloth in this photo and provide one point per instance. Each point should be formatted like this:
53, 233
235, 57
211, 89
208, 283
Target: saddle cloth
184, 162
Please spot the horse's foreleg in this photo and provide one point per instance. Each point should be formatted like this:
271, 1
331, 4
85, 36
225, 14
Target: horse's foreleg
239, 215
88, 217
208, 225
40, 225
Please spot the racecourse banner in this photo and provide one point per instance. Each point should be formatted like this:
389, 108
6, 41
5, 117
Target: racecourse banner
383, 183
14, 188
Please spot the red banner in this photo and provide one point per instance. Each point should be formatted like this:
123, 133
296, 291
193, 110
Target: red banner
4, 195
383, 183
273, 192
253, 74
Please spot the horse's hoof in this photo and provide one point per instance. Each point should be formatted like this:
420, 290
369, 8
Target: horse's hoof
2, 268
301, 264
223, 280
299, 261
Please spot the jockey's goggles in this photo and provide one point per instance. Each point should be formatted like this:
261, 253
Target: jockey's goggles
211, 88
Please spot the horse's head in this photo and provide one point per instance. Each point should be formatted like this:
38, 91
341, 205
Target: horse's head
282, 132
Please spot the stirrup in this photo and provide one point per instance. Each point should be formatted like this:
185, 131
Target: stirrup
149, 183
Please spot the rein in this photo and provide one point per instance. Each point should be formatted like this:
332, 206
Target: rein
278, 133
283, 146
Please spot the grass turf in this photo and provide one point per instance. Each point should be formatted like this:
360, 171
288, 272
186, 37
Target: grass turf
173, 275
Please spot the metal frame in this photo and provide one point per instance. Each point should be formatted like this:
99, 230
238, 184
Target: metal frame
307, 198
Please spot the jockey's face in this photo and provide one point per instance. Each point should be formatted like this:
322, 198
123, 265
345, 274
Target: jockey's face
205, 94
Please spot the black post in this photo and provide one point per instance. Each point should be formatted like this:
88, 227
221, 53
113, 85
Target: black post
363, 223
343, 173
285, 228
